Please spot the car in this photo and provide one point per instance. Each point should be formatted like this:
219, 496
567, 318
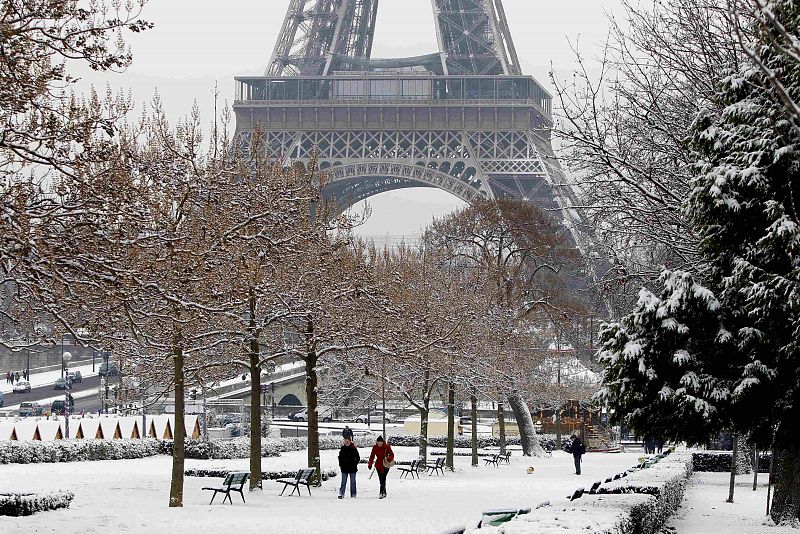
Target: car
27, 409
23, 386
108, 369
325, 415
60, 383
57, 406
75, 376
2, 400
375, 416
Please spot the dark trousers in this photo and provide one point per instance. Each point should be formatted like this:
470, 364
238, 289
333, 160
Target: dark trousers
382, 479
577, 465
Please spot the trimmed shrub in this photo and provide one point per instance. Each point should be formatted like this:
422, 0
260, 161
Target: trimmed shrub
548, 443
720, 462
17, 504
31, 452
265, 475
639, 503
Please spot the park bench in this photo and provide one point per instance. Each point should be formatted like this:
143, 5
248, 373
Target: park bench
413, 469
437, 467
493, 460
505, 458
232, 482
302, 478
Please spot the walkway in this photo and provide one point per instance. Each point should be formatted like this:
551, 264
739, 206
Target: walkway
704, 508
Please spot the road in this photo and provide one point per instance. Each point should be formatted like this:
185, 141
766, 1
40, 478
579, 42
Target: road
45, 392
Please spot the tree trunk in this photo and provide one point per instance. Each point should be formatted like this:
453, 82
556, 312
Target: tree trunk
178, 433
501, 420
313, 417
527, 432
733, 466
451, 430
786, 502
755, 468
255, 416
424, 415
558, 428
474, 417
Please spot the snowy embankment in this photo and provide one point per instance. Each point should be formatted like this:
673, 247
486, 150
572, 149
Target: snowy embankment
637, 504
137, 491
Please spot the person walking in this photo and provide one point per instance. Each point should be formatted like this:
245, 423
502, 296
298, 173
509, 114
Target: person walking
578, 449
347, 433
382, 456
8, 377
17, 376
348, 465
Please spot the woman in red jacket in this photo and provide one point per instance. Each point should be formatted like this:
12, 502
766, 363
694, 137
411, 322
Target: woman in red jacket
383, 456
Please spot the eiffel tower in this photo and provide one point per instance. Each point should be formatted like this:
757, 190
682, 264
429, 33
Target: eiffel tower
463, 119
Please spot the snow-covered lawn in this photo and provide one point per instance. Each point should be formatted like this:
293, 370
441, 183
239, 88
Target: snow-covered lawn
132, 496
704, 508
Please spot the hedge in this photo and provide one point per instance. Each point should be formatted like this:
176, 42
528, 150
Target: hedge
237, 448
639, 503
548, 443
17, 504
720, 462
31, 452
265, 475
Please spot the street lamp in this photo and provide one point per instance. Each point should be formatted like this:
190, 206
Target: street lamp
67, 356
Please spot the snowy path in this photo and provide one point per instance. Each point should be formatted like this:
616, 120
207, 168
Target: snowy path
132, 495
704, 508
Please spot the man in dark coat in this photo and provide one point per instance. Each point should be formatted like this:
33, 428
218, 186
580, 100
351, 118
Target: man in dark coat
578, 449
347, 433
348, 465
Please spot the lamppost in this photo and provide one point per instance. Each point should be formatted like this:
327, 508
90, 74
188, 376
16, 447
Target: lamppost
67, 356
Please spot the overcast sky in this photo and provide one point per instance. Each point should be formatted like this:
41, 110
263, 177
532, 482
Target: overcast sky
196, 44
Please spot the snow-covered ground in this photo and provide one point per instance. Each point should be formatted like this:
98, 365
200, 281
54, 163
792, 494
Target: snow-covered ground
47, 378
132, 496
704, 508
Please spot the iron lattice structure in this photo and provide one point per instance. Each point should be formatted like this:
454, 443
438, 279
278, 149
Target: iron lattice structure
464, 119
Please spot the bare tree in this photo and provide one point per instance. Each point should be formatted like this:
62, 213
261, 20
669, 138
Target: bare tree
624, 132
522, 252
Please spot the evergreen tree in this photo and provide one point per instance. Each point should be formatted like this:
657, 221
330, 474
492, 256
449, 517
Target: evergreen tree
696, 360
745, 207
665, 364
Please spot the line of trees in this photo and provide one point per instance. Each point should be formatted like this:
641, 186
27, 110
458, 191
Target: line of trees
195, 258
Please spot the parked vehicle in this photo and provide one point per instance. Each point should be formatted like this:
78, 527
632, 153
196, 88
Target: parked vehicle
60, 383
75, 376
27, 409
2, 401
23, 386
376, 416
108, 369
57, 406
326, 415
